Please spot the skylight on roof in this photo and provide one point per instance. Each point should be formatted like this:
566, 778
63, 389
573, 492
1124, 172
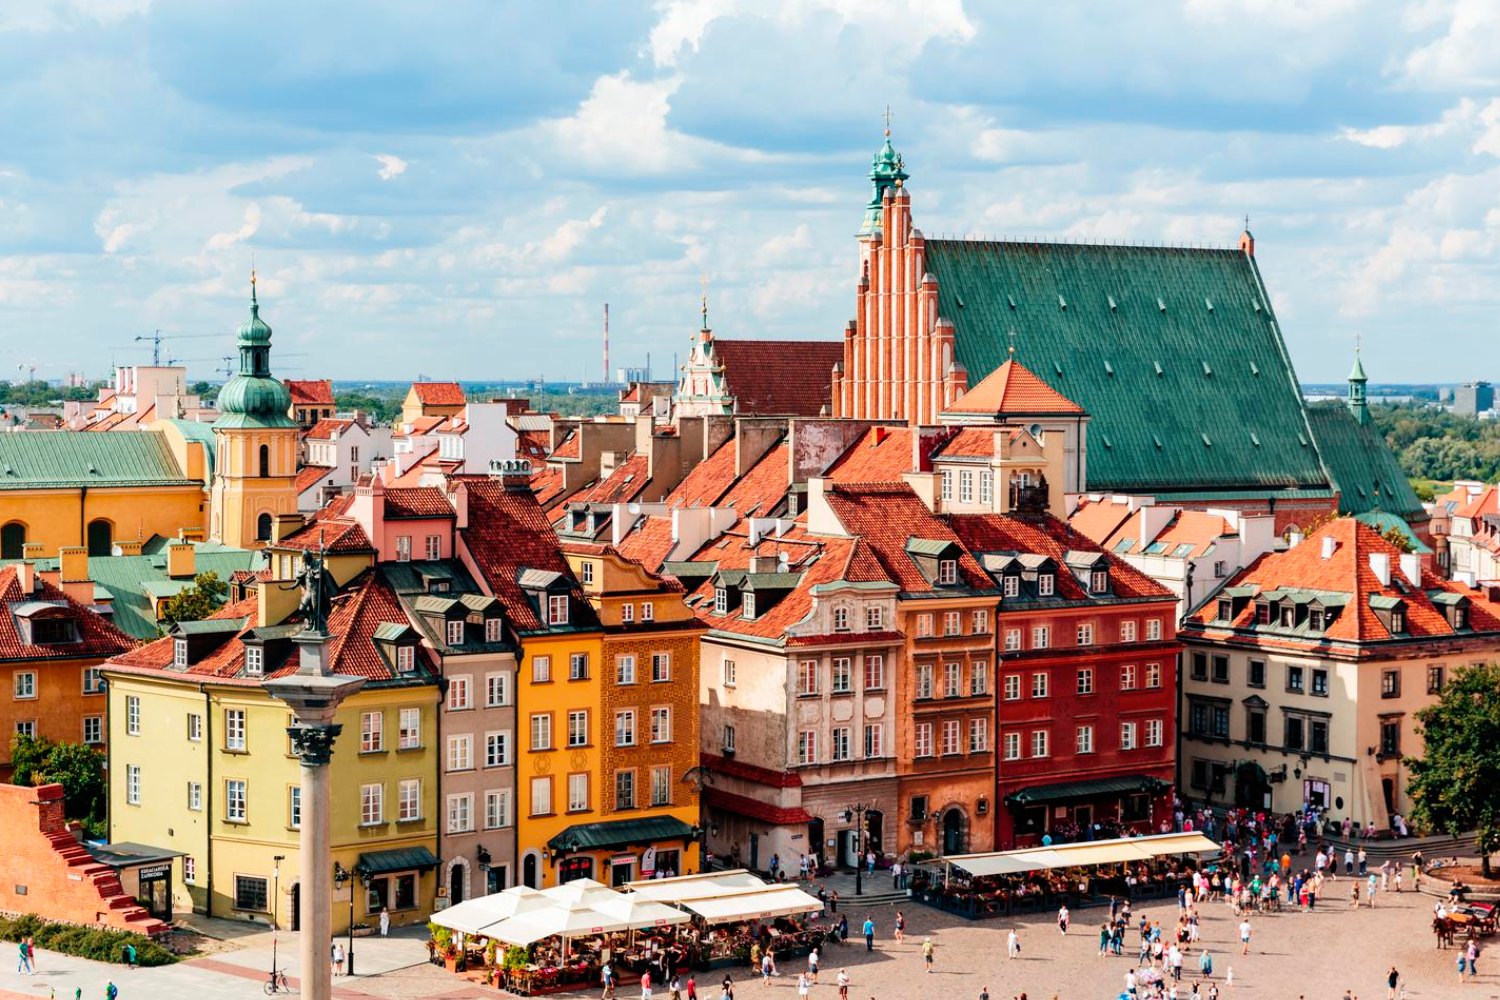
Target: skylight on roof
1208, 302
1012, 300
1206, 442
1157, 366
1160, 305
1254, 439
1062, 303
1109, 369
1207, 370
1111, 300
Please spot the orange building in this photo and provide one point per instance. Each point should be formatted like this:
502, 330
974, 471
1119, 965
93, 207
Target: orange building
51, 646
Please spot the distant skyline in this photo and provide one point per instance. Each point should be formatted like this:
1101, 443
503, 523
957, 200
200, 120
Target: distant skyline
458, 188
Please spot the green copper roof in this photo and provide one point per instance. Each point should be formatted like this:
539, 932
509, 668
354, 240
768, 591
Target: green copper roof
1360, 464
886, 169
1174, 352
1357, 373
203, 433
33, 459
253, 398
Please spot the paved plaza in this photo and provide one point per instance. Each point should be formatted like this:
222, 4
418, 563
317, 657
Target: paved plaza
1316, 955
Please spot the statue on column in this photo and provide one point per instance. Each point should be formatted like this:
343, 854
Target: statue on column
317, 593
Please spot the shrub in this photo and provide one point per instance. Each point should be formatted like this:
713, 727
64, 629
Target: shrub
84, 942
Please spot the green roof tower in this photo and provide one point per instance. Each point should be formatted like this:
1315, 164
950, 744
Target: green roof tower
253, 398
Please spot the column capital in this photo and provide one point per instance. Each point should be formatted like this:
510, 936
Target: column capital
312, 742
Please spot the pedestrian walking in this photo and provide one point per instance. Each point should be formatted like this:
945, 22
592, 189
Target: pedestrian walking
1106, 934
129, 954
1012, 944
843, 984
765, 968
336, 957
927, 949
23, 964
896, 875
385, 922
802, 984
111, 991
833, 901
1371, 883
1392, 979
607, 977
675, 988
1205, 964
869, 933
900, 927
1364, 865
1245, 936
1062, 920
692, 987
1472, 954
1463, 967
812, 965
1348, 861
646, 985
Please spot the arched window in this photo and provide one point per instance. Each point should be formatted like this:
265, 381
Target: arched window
13, 540
101, 537
265, 461
263, 528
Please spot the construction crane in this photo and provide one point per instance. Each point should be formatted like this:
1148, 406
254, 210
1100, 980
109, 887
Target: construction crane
157, 337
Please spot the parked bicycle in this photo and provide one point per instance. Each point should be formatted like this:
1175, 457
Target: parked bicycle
277, 983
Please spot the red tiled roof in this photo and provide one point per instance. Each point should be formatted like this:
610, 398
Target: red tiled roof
743, 805
547, 484
568, 447
649, 541
1048, 536
780, 377
97, 636
336, 534
411, 503
532, 444
1098, 520
1013, 389
311, 392
1486, 501
439, 393
224, 661
749, 772
974, 442
622, 485
1197, 528
1348, 572
329, 428
708, 480
310, 475
507, 533
887, 516
764, 485
631, 395
881, 455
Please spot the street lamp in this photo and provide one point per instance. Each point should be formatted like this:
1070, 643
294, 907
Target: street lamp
857, 812
340, 876
276, 860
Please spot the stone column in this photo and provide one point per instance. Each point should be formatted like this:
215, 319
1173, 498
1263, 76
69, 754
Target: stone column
313, 693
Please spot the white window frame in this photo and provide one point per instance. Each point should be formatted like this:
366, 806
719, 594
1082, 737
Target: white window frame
408, 800
625, 669
133, 784
460, 752
236, 800
541, 730
195, 796
1040, 740
236, 732
1127, 736
578, 727
1041, 684
460, 812
371, 732
661, 724
1011, 746
133, 715
497, 808
454, 633
409, 729
1083, 739
497, 748
578, 792
625, 734
371, 804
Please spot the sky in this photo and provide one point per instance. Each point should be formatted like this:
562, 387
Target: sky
456, 189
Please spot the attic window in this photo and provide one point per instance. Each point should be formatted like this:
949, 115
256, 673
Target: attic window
721, 601
747, 606
1046, 585
180, 654
406, 659
1398, 620
255, 661
1099, 581
1315, 620
1226, 610
1458, 616
947, 574
1263, 613
557, 609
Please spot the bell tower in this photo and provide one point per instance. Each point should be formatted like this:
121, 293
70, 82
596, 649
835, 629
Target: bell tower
255, 441
1357, 402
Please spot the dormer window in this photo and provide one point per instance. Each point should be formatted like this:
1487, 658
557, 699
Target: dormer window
1398, 620
52, 631
494, 629
586, 573
1316, 620
721, 601
1263, 613
180, 654
1287, 616
874, 618
1460, 617
456, 632
406, 659
438, 586
947, 574
557, 609
1046, 584
748, 605
1011, 585
1098, 581
1226, 610
841, 620
255, 661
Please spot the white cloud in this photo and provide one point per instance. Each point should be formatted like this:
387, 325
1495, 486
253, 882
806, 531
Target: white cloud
1467, 55
391, 166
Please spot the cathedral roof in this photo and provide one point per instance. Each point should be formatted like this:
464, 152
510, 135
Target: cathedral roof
779, 377
1360, 465
1174, 352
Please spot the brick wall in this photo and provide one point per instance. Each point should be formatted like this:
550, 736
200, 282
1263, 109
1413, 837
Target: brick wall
52, 875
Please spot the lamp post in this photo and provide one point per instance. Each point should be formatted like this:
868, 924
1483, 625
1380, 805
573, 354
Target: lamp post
340, 876
276, 860
857, 812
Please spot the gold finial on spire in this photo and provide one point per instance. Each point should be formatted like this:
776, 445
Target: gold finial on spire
703, 282
888, 116
1012, 335
252, 277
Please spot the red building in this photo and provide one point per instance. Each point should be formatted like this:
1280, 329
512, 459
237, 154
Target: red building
1087, 691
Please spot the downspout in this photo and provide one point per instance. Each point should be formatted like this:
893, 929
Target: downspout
83, 496
208, 799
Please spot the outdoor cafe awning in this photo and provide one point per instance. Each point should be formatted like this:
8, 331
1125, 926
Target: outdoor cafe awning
706, 885
1067, 791
1083, 853
772, 901
473, 915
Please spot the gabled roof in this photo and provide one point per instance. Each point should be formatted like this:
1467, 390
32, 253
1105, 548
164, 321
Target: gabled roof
311, 475
760, 492
416, 502
569, 447
507, 534
1348, 572
649, 541
310, 392
328, 428
96, 636
880, 455
707, 481
779, 377
624, 483
1013, 390
338, 535
1360, 464
1174, 352
1098, 520
439, 393
67, 459
887, 516
1047, 537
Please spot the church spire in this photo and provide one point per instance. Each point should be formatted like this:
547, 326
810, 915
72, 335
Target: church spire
1357, 403
887, 170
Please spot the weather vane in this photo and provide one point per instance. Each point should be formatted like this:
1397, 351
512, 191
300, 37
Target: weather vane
888, 116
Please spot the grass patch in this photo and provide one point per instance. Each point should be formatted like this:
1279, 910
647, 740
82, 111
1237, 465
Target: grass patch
84, 942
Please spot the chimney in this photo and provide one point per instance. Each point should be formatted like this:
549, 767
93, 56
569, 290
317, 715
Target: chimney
513, 473
1411, 568
286, 525
73, 563
1293, 539
1380, 565
26, 576
181, 559
1330, 546
31, 551
129, 548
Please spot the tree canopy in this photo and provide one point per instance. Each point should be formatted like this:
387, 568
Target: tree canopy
197, 602
75, 766
1455, 785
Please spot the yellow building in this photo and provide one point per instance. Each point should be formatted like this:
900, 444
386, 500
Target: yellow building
432, 399
255, 460
201, 762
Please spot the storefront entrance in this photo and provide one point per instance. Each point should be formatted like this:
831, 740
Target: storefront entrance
621, 870
576, 867
155, 892
953, 832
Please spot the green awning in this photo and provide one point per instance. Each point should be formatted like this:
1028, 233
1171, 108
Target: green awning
620, 833
400, 859
1063, 791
